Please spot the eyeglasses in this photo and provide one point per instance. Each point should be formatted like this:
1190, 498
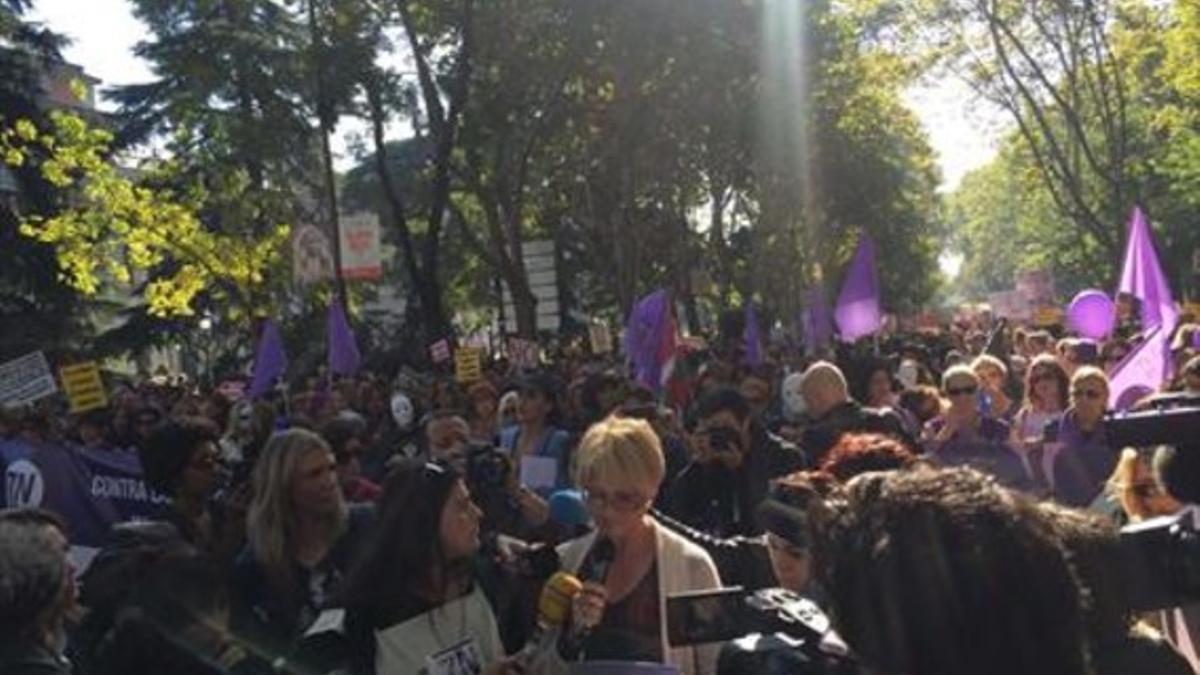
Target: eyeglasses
620, 500
962, 391
1094, 394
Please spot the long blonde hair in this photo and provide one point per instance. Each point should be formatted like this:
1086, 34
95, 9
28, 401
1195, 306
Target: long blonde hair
271, 519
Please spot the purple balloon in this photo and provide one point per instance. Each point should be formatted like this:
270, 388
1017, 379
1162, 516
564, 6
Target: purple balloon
1092, 314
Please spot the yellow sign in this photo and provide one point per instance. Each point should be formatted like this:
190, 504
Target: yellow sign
83, 386
1048, 316
468, 364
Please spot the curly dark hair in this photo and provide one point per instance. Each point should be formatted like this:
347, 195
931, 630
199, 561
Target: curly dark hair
944, 572
856, 454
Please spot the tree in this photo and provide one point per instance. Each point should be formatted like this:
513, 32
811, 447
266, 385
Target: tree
116, 230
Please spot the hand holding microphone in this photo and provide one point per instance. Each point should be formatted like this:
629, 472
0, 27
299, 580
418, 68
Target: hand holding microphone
587, 608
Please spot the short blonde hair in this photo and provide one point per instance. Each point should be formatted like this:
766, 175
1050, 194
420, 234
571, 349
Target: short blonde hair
988, 361
620, 451
825, 375
959, 372
1089, 373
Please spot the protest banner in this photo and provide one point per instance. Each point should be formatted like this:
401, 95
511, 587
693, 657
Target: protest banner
312, 255
84, 386
361, 248
468, 365
26, 379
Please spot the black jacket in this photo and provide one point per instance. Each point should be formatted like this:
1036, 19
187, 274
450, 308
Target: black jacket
725, 503
23, 658
848, 417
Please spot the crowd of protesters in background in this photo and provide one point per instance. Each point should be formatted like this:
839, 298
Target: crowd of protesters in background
371, 523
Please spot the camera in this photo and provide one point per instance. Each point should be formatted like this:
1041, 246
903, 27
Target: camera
773, 630
488, 468
1172, 419
1161, 559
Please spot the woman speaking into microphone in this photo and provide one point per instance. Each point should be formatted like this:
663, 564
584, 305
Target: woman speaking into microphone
630, 564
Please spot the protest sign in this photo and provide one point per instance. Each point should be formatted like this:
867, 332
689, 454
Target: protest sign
601, 338
312, 255
468, 365
524, 353
26, 379
84, 386
361, 247
440, 351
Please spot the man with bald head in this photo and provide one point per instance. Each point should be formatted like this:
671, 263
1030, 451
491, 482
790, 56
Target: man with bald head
827, 397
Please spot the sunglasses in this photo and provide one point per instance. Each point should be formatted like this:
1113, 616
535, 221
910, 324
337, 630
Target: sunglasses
962, 391
1094, 394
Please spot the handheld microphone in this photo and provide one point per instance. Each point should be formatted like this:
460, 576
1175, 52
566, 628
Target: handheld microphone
553, 608
600, 560
568, 509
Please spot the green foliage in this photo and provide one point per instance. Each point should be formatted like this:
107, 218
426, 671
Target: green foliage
117, 230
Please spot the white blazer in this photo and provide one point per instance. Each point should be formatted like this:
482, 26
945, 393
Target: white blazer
682, 566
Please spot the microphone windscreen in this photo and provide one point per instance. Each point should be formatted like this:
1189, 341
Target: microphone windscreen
554, 604
568, 508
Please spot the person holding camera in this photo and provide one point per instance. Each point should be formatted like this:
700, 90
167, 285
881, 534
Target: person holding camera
734, 459
509, 508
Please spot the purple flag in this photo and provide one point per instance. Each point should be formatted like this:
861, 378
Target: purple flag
858, 313
1143, 278
1143, 372
270, 361
752, 337
344, 358
650, 338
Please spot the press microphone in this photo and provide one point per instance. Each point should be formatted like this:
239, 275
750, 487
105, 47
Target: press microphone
599, 561
553, 608
568, 509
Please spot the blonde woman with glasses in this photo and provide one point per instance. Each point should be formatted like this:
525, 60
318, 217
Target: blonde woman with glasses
621, 613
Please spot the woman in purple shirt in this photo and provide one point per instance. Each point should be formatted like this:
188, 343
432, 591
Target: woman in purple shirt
963, 435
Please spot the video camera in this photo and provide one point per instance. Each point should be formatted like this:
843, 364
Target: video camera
1166, 419
769, 631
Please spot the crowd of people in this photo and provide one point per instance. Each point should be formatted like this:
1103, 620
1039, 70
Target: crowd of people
953, 502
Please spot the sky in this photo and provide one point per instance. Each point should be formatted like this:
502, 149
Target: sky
962, 132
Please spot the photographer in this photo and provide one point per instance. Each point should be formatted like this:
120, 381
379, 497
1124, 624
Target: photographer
508, 507
734, 459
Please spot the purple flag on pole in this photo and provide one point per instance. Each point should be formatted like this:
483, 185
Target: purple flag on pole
344, 358
1143, 372
647, 336
270, 361
752, 337
858, 313
1143, 278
